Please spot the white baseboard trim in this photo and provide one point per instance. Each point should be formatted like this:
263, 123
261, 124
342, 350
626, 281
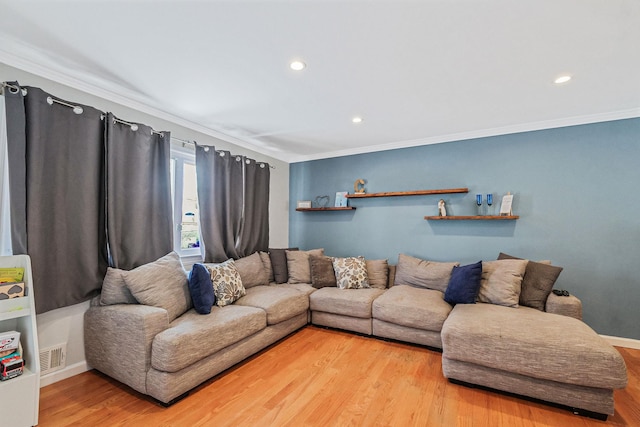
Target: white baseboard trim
67, 372
622, 342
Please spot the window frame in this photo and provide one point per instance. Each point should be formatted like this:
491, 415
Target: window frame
180, 156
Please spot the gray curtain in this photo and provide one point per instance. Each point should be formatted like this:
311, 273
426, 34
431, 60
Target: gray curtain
138, 186
254, 230
56, 180
233, 197
16, 151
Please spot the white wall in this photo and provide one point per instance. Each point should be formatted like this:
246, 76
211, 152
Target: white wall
66, 324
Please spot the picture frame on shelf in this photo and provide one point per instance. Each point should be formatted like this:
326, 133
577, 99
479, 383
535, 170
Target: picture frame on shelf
303, 204
341, 199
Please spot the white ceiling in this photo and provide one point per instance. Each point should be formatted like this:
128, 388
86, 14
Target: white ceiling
418, 72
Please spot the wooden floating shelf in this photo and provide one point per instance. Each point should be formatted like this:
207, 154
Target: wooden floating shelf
342, 208
407, 193
472, 217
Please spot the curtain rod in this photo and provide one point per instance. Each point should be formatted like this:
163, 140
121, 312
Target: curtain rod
206, 148
134, 127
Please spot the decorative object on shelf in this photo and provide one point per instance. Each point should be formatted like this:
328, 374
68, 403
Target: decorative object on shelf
322, 201
442, 210
505, 207
479, 203
341, 199
489, 203
357, 189
303, 204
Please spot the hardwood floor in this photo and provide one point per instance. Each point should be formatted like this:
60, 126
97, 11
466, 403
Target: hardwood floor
319, 377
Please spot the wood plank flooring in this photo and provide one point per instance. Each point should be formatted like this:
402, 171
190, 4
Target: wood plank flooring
320, 377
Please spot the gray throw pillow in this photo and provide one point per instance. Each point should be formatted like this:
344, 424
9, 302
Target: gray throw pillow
538, 281
266, 263
279, 264
422, 273
252, 271
322, 274
114, 289
501, 282
378, 272
162, 283
298, 265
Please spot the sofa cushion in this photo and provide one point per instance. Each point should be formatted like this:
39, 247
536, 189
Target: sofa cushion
114, 289
192, 337
351, 273
321, 270
266, 263
348, 302
537, 283
278, 302
422, 273
279, 264
378, 273
227, 283
305, 288
162, 283
413, 307
529, 342
252, 271
501, 282
201, 289
464, 284
298, 265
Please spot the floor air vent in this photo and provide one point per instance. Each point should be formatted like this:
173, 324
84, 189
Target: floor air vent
53, 358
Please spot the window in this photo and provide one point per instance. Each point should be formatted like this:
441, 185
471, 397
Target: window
186, 231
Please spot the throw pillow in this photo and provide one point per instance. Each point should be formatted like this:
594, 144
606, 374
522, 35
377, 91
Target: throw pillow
538, 281
266, 263
501, 282
227, 284
114, 290
322, 274
298, 265
378, 273
464, 284
252, 271
351, 273
162, 283
422, 273
279, 264
201, 289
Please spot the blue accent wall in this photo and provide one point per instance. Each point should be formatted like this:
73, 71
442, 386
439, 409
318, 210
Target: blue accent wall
576, 191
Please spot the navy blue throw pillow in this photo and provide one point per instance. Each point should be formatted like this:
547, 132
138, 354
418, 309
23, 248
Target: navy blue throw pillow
464, 284
201, 289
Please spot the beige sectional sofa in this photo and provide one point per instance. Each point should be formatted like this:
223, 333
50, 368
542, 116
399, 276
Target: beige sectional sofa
547, 354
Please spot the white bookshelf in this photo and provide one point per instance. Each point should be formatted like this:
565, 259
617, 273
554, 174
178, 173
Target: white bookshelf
19, 396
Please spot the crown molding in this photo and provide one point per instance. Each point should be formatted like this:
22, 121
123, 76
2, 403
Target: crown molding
475, 134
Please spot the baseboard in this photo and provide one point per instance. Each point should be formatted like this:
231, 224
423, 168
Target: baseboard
62, 374
622, 342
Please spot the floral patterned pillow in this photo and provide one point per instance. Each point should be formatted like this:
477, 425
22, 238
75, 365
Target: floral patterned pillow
227, 284
351, 273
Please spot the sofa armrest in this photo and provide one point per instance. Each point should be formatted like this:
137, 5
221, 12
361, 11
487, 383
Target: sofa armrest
567, 306
117, 340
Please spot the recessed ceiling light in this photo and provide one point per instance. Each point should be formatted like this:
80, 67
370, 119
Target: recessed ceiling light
297, 65
357, 119
562, 79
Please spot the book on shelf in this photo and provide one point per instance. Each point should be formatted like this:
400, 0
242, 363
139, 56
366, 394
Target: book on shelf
341, 199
